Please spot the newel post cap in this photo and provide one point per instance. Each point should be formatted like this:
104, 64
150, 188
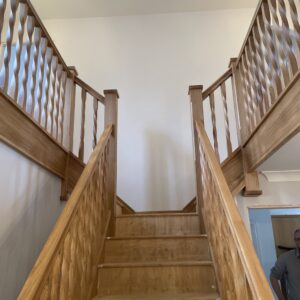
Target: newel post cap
73, 70
232, 61
111, 92
195, 87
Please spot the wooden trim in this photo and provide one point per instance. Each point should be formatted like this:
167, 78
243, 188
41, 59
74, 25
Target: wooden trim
217, 83
150, 237
191, 206
89, 89
19, 131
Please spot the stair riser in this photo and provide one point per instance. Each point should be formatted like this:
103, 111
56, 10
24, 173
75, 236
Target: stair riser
157, 225
157, 279
156, 249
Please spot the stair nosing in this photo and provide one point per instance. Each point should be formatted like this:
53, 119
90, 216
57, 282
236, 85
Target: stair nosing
157, 215
149, 237
156, 264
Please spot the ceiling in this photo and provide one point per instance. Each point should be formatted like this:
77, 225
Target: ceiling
56, 9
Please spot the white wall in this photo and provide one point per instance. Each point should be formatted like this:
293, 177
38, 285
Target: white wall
30, 205
152, 60
275, 194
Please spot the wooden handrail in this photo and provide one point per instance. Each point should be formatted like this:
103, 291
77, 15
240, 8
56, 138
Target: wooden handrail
89, 89
85, 205
217, 83
231, 246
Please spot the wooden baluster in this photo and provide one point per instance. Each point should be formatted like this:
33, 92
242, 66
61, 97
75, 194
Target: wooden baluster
9, 39
95, 122
214, 123
111, 117
263, 74
54, 74
30, 28
280, 42
82, 131
62, 112
34, 71
42, 79
47, 84
72, 114
254, 93
226, 118
255, 71
268, 52
2, 12
58, 88
249, 102
286, 35
19, 47
295, 20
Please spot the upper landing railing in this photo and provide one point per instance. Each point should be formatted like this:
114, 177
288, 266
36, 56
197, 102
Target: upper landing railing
36, 78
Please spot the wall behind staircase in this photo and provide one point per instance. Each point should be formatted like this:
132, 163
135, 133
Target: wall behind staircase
30, 205
152, 60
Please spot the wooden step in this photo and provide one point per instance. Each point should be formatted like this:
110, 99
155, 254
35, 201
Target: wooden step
168, 296
158, 248
158, 277
157, 224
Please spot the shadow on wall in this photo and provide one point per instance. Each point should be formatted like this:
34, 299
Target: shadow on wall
30, 206
167, 182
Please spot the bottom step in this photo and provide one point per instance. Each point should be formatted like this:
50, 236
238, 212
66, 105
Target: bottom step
193, 296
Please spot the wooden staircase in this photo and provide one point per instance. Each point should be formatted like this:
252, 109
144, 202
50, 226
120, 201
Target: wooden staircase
157, 256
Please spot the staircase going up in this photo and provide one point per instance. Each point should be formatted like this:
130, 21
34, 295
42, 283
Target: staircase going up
100, 248
157, 256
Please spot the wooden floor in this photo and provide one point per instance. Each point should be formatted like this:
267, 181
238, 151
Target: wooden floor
157, 256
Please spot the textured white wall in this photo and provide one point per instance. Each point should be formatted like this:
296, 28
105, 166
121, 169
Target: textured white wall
30, 205
152, 60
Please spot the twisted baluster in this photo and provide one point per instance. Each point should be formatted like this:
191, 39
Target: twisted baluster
47, 85
9, 39
214, 123
19, 47
30, 28
58, 88
55, 65
42, 79
34, 69
81, 147
62, 112
95, 122
295, 20
2, 11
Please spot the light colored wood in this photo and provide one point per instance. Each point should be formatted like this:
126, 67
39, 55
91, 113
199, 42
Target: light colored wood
47, 87
111, 117
58, 99
214, 123
62, 111
163, 224
155, 249
2, 12
72, 112
82, 125
67, 263
238, 269
122, 208
164, 296
185, 277
195, 93
95, 123
52, 91
252, 187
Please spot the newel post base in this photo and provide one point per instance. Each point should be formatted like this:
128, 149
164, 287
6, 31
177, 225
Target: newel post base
195, 93
111, 117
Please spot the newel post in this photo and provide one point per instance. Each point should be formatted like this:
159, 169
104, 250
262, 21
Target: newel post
195, 93
252, 187
111, 117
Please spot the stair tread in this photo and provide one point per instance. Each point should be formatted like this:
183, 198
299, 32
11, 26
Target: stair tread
160, 214
135, 237
156, 264
189, 296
